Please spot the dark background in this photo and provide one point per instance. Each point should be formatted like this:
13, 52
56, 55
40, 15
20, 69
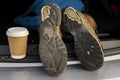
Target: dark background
9, 9
106, 21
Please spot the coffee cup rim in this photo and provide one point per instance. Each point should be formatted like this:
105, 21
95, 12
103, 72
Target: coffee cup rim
17, 31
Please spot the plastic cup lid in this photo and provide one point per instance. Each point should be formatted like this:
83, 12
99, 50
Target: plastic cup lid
17, 32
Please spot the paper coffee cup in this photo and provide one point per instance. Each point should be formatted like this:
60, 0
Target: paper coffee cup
17, 38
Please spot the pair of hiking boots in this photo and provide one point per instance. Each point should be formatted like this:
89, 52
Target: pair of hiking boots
52, 50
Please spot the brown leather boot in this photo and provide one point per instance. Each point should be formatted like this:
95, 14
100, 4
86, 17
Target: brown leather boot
89, 20
87, 45
90, 23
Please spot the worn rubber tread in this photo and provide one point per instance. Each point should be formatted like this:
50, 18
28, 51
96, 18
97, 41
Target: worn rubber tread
87, 45
52, 50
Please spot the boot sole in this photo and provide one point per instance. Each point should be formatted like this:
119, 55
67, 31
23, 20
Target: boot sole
87, 47
52, 50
